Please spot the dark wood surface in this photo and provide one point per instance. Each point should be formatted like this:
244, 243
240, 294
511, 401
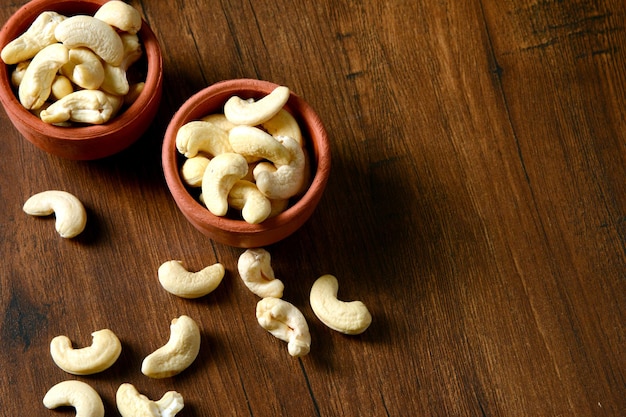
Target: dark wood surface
477, 206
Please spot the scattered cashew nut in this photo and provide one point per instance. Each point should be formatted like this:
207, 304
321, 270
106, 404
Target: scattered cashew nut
178, 353
120, 15
252, 113
36, 83
221, 174
71, 216
131, 403
254, 205
177, 280
285, 322
77, 394
346, 317
255, 270
89, 32
103, 352
39, 35
202, 136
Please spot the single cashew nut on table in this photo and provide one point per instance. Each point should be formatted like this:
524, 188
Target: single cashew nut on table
131, 403
89, 32
120, 15
255, 270
221, 174
285, 322
202, 136
39, 35
103, 352
77, 394
36, 83
251, 113
253, 142
177, 280
283, 181
71, 216
346, 317
178, 353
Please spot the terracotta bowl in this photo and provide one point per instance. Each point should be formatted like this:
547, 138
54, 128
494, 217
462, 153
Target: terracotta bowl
231, 231
84, 142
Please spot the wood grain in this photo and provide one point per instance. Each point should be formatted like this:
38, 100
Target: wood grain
477, 205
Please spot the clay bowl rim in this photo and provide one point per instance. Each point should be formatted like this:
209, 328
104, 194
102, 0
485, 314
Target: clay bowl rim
23, 18
246, 87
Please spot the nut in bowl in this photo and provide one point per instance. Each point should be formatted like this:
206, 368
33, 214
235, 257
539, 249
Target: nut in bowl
238, 158
116, 117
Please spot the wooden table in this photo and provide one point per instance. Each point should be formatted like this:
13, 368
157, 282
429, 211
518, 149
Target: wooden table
477, 206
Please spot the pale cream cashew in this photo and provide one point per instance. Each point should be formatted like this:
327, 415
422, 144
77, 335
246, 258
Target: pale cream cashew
131, 403
83, 106
252, 113
285, 322
219, 120
346, 317
39, 35
61, 87
177, 280
245, 196
253, 142
201, 136
283, 181
77, 394
71, 216
220, 176
103, 352
115, 79
84, 68
193, 170
89, 32
178, 353
284, 124
120, 15
18, 73
255, 270
36, 84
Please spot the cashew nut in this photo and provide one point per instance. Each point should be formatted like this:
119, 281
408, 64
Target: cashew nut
84, 68
61, 87
285, 322
82, 106
253, 142
284, 124
201, 136
256, 272
252, 113
71, 216
18, 73
254, 206
283, 181
103, 352
179, 281
346, 317
130, 403
120, 15
36, 84
87, 31
219, 120
221, 174
115, 79
178, 353
39, 35
193, 170
77, 394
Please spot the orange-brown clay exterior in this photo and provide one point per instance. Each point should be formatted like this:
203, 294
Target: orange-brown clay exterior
234, 232
85, 142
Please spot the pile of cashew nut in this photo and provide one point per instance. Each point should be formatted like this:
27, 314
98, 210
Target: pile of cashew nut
251, 158
75, 69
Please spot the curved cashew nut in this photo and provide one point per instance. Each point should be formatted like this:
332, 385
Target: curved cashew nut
346, 317
82, 106
256, 272
76, 394
193, 170
220, 176
283, 181
284, 124
87, 31
39, 35
254, 206
285, 322
71, 216
178, 353
103, 352
84, 68
115, 79
252, 113
120, 15
36, 84
61, 87
179, 281
17, 75
201, 136
253, 142
130, 403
